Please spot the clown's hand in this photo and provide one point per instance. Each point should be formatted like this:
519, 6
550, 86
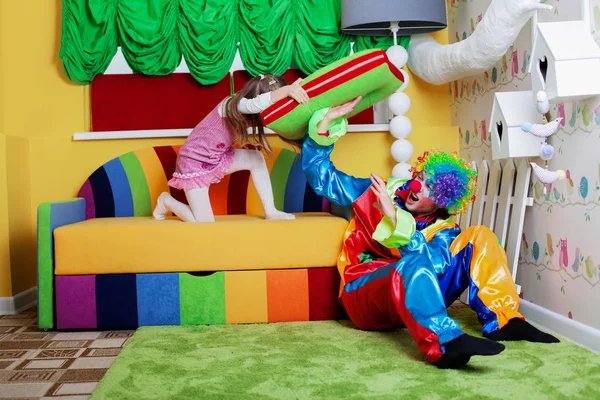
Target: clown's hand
340, 111
327, 125
385, 205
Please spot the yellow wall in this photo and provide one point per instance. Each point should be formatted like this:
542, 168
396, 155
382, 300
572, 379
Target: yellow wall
42, 101
2, 59
5, 278
42, 163
20, 220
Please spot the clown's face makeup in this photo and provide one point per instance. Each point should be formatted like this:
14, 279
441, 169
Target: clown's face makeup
418, 202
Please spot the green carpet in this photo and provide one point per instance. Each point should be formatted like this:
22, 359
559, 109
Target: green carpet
330, 360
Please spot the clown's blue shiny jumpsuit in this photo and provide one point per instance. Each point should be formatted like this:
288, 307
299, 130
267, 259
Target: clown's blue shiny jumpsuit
405, 276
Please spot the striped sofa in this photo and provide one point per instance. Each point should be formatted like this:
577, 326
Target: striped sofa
104, 263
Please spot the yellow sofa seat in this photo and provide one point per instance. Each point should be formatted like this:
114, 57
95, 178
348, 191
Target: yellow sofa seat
234, 242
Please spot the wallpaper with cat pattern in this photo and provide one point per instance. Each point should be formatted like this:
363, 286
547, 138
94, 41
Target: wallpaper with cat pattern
559, 266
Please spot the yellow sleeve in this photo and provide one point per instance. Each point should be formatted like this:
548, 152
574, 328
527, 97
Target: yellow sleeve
395, 236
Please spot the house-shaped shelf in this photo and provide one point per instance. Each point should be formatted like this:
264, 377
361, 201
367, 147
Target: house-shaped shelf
510, 111
565, 62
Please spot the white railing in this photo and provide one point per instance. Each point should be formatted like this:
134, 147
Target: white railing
502, 198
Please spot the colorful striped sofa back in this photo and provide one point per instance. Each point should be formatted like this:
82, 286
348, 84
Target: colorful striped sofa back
130, 184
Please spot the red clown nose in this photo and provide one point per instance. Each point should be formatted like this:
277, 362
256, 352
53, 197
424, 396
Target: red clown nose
415, 186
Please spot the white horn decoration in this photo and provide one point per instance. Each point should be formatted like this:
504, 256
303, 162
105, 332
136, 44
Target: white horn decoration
497, 31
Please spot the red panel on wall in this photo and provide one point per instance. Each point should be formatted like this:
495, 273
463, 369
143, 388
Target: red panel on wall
134, 102
363, 117
240, 78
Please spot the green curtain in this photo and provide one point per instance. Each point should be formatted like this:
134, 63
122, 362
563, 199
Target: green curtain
155, 34
267, 33
319, 40
89, 40
379, 42
147, 32
208, 37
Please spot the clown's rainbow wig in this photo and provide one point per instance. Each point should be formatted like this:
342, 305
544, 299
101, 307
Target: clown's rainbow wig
451, 179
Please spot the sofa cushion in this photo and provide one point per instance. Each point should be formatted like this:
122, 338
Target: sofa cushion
234, 242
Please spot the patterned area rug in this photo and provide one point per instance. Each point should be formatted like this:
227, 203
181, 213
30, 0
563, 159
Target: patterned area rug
332, 360
53, 365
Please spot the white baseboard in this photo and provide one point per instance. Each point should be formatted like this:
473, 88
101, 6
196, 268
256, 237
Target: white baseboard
550, 321
18, 303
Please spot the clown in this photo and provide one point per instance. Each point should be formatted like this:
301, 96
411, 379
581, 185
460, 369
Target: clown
404, 260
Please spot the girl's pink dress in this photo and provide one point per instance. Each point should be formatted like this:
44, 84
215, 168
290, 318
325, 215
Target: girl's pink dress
206, 155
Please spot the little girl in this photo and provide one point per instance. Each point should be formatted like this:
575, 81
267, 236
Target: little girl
209, 153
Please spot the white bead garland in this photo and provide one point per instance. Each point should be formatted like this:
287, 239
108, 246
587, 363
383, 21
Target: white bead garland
402, 170
406, 81
399, 103
397, 56
402, 150
400, 126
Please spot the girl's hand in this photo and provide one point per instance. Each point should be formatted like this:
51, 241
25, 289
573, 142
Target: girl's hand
385, 205
296, 92
337, 112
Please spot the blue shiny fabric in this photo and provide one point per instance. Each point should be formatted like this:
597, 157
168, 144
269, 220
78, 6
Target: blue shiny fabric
421, 264
433, 279
436, 251
427, 278
326, 180
365, 279
452, 276
454, 281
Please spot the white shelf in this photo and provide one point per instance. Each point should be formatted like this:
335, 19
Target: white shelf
182, 133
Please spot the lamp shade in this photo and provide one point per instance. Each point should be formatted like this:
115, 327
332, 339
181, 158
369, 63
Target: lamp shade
373, 17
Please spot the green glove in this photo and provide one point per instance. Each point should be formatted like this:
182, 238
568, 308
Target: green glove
337, 128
